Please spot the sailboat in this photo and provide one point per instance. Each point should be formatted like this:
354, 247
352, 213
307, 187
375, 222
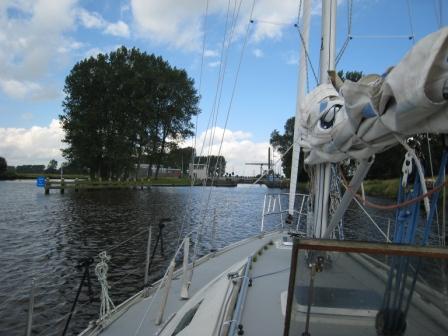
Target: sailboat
313, 282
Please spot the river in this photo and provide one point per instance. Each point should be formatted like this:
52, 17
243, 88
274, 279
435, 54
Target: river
47, 236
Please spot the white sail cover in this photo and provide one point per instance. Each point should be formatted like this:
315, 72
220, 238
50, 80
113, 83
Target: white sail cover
365, 117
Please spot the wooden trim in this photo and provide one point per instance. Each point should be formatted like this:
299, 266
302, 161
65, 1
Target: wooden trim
370, 248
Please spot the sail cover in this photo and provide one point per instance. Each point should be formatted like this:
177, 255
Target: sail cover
366, 117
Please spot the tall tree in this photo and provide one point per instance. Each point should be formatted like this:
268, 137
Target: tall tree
122, 107
282, 144
3, 165
52, 166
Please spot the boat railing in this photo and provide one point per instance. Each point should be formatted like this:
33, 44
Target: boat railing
272, 205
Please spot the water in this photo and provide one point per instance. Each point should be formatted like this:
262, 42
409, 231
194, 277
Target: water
47, 237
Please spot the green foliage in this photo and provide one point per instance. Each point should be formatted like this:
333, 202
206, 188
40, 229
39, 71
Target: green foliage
30, 169
179, 158
120, 109
281, 143
52, 167
354, 76
3, 166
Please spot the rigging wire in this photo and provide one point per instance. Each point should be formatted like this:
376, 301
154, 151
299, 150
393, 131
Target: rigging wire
349, 32
225, 127
227, 51
411, 26
302, 39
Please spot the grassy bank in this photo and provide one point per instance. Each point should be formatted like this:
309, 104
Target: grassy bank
33, 176
384, 188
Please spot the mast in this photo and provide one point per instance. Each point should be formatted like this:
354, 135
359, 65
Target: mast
327, 62
300, 97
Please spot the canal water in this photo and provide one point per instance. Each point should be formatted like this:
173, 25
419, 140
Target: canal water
48, 237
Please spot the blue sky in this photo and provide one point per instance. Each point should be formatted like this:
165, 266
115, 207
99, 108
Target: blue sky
40, 41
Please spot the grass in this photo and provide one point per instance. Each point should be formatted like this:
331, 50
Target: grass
383, 188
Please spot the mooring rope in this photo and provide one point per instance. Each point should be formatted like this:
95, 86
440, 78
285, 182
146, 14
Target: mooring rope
101, 272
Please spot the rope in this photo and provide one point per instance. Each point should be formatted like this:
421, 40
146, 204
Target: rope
392, 206
225, 128
101, 272
125, 241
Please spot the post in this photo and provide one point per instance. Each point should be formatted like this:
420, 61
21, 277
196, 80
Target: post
166, 293
148, 252
262, 214
444, 238
185, 278
62, 185
300, 96
30, 309
280, 209
388, 228
47, 186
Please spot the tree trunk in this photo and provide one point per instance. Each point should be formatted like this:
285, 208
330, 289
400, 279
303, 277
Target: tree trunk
159, 157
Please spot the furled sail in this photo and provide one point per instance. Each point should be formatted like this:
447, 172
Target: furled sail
357, 120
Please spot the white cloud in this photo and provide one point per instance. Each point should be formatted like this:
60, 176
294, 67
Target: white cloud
291, 58
210, 53
91, 19
258, 53
94, 20
214, 64
35, 145
119, 28
238, 148
30, 39
27, 90
180, 23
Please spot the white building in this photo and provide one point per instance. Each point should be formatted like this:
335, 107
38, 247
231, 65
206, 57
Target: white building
198, 171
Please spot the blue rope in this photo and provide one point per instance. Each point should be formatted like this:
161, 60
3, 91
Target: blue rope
405, 232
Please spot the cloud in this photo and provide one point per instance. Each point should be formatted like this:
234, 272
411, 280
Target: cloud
291, 58
30, 39
210, 53
258, 53
119, 28
179, 24
27, 90
214, 64
238, 148
94, 20
90, 19
35, 145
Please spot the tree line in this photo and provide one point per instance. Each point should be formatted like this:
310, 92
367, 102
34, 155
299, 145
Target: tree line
126, 108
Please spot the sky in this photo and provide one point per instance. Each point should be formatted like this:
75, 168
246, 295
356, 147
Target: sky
41, 41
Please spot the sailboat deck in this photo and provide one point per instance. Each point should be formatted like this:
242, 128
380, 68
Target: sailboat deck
138, 314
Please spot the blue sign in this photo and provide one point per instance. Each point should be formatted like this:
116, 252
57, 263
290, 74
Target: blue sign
40, 181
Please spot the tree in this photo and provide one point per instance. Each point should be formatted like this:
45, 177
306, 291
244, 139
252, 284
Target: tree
52, 167
354, 76
3, 166
283, 142
179, 158
120, 108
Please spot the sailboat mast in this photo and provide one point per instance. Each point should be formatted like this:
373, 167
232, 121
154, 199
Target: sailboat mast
300, 96
327, 62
